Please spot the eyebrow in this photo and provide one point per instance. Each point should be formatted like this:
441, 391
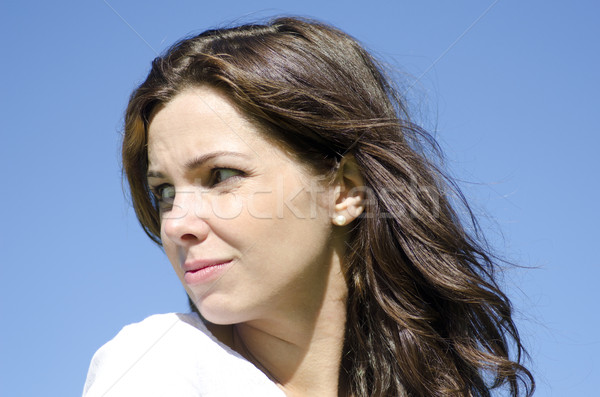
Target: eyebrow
197, 162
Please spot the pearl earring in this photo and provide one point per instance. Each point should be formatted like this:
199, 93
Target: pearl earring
339, 220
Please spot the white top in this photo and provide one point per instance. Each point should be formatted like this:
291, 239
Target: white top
173, 355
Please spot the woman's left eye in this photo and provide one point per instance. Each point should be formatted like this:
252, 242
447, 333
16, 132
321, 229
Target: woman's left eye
222, 174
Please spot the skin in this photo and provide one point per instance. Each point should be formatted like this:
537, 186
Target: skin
280, 299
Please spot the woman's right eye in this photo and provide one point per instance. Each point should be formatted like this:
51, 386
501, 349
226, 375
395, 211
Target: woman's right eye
164, 193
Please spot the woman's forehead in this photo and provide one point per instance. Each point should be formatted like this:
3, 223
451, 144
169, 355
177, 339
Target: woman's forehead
201, 121
203, 115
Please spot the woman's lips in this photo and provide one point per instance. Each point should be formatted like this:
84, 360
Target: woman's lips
201, 271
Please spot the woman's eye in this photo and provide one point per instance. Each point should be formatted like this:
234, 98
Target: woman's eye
165, 193
222, 174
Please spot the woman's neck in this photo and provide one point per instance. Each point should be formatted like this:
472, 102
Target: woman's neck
303, 358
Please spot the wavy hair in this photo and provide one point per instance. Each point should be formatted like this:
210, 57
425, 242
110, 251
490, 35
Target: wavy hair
425, 314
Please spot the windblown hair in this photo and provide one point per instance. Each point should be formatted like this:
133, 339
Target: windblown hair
425, 314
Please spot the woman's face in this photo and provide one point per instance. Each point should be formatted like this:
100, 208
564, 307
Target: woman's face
247, 229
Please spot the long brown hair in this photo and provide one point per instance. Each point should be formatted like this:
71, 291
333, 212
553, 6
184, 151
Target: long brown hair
425, 314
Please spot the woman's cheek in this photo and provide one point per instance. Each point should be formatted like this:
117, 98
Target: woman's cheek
227, 206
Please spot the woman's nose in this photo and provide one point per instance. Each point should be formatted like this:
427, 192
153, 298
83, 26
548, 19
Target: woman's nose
183, 223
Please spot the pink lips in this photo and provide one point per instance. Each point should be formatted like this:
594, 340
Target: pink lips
200, 271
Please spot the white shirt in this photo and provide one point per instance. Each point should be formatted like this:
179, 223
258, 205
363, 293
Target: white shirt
173, 355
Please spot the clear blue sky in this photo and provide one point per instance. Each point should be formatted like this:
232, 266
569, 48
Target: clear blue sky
512, 95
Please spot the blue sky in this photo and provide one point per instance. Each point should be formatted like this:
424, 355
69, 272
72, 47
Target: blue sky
509, 88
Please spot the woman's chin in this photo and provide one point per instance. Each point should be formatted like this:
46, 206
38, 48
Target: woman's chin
220, 314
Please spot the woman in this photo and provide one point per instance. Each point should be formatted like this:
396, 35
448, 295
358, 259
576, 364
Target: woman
279, 170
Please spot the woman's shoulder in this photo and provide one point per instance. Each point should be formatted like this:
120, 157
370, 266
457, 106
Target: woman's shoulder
171, 354
162, 326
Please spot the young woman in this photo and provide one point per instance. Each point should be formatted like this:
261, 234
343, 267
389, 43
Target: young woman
279, 170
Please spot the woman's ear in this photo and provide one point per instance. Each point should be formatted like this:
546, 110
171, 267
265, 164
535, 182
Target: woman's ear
350, 192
